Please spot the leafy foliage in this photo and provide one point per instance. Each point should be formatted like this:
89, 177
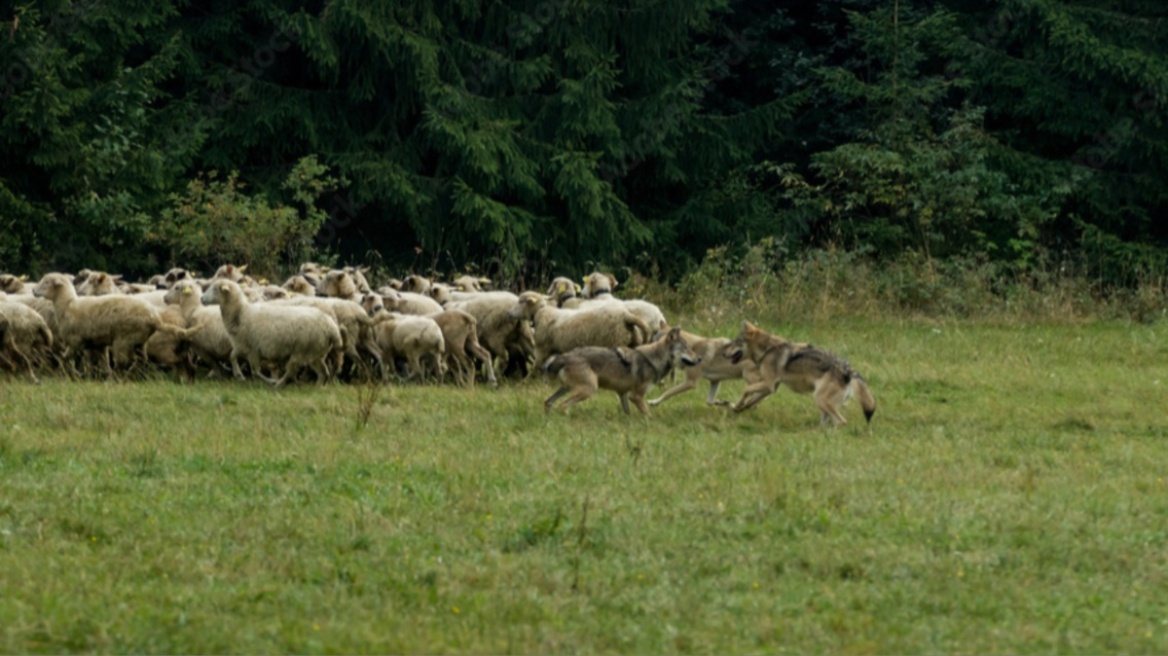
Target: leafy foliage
531, 136
215, 221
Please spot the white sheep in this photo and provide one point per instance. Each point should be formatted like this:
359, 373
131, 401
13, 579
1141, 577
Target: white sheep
15, 285
506, 336
298, 285
558, 330
411, 303
230, 272
598, 289
338, 284
460, 332
286, 337
96, 283
416, 284
357, 338
563, 290
117, 322
26, 336
417, 339
212, 344
358, 275
469, 283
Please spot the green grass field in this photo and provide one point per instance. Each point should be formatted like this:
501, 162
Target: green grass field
1010, 497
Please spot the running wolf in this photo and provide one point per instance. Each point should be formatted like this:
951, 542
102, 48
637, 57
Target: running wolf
630, 372
829, 378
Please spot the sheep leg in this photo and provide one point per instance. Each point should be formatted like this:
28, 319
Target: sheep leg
293, 367
322, 372
374, 351
541, 356
7, 362
27, 362
235, 369
257, 369
415, 367
68, 362
482, 354
114, 354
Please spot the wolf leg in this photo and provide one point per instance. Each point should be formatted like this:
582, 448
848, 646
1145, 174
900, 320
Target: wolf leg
826, 399
547, 404
685, 386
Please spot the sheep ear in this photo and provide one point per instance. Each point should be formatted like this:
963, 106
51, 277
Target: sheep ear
188, 290
242, 268
578, 288
23, 278
611, 279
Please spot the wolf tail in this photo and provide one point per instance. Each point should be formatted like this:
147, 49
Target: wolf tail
553, 365
867, 401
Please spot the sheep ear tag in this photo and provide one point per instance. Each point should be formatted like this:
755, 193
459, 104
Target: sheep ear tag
188, 291
561, 287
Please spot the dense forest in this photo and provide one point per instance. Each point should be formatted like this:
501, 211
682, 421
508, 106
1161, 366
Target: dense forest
524, 136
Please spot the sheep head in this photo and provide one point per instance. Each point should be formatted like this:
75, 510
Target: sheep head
299, 285
222, 291
597, 284
338, 284
415, 283
562, 289
54, 285
230, 272
182, 290
529, 303
440, 293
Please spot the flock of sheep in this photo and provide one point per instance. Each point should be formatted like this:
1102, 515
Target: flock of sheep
319, 325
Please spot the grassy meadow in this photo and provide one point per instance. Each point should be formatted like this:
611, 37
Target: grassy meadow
1009, 497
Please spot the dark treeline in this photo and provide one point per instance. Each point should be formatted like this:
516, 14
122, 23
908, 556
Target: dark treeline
525, 136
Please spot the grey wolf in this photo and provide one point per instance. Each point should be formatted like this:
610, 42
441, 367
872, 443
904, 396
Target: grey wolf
630, 372
827, 377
